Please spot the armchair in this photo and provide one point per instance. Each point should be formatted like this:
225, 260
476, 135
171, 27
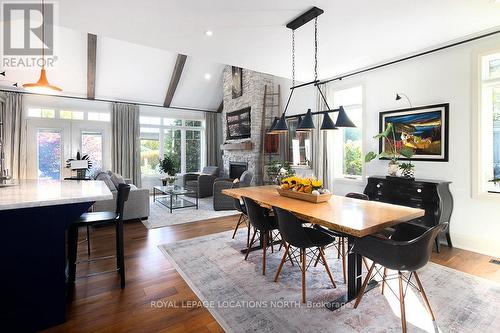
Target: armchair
202, 182
223, 202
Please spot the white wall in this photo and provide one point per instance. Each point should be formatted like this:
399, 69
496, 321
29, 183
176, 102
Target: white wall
443, 77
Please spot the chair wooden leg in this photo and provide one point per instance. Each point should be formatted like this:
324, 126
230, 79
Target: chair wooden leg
250, 245
383, 280
424, 296
366, 263
264, 248
363, 287
281, 263
326, 266
237, 225
402, 302
303, 256
344, 256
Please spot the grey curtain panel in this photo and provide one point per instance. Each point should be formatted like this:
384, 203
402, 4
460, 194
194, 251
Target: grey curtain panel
14, 134
212, 138
320, 139
125, 140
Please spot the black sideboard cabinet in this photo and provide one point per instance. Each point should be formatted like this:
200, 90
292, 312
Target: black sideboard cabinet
433, 196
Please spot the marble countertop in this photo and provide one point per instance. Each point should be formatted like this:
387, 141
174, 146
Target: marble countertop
38, 193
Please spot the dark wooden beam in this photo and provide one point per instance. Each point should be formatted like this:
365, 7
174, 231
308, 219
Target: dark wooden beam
91, 64
221, 107
174, 80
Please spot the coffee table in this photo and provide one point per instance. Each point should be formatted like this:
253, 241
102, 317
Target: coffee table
173, 197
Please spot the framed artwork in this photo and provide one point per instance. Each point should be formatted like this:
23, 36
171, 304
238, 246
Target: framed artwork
423, 129
237, 81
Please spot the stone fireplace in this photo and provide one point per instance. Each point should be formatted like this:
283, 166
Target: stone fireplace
236, 169
245, 151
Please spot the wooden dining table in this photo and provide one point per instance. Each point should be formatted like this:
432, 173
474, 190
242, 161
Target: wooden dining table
352, 217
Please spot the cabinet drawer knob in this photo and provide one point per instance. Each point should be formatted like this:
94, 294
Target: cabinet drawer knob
378, 185
419, 190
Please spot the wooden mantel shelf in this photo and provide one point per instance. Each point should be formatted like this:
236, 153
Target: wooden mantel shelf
247, 145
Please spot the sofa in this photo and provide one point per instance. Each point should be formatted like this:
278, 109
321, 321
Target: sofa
137, 205
222, 201
202, 183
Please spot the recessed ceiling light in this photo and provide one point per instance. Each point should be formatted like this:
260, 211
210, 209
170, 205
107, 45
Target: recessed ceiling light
207, 76
209, 33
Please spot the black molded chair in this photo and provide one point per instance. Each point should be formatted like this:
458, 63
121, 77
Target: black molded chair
263, 223
94, 218
342, 239
408, 249
242, 220
302, 238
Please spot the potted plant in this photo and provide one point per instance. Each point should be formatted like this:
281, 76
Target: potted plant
407, 170
278, 170
393, 154
168, 166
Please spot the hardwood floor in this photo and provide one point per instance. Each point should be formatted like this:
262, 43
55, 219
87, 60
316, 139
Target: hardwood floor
101, 306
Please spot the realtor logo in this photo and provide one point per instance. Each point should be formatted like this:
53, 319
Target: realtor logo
23, 29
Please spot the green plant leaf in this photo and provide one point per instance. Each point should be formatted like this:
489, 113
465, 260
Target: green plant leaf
386, 155
385, 133
407, 152
370, 156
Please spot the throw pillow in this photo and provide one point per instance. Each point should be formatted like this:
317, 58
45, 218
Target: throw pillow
117, 179
107, 180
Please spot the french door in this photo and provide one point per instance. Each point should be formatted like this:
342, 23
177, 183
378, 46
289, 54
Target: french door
51, 142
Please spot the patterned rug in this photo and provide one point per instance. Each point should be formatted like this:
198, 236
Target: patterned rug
241, 299
160, 215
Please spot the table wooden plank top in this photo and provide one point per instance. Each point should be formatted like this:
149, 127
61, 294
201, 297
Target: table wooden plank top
347, 215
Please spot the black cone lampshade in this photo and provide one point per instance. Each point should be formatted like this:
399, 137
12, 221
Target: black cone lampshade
300, 121
398, 97
307, 122
281, 126
343, 120
327, 123
271, 129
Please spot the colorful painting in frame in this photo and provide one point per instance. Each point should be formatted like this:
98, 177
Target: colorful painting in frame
423, 129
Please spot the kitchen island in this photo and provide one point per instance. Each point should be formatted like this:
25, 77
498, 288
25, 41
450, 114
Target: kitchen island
34, 217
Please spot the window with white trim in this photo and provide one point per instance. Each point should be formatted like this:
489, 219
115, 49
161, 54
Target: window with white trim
348, 160
181, 139
490, 121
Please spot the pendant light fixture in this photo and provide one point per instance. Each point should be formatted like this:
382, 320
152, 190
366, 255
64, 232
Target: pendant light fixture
327, 123
306, 122
275, 121
42, 86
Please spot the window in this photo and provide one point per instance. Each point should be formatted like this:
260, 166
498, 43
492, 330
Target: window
181, 139
41, 113
68, 114
299, 145
348, 141
92, 145
75, 115
489, 125
49, 154
99, 116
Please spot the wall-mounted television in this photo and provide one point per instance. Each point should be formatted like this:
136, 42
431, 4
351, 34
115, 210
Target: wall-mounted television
238, 124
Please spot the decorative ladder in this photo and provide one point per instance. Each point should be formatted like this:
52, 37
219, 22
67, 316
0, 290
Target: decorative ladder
271, 107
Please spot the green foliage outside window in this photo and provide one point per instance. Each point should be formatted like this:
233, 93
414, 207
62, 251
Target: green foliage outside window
352, 158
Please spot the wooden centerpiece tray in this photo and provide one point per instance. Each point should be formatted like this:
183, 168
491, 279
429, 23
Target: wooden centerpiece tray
304, 196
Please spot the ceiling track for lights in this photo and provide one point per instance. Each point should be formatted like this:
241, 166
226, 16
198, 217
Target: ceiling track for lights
305, 120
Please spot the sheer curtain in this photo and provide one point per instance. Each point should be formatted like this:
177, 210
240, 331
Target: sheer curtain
14, 134
126, 141
321, 152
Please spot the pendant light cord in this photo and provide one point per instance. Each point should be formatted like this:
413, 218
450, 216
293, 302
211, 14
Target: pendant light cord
43, 34
293, 58
316, 49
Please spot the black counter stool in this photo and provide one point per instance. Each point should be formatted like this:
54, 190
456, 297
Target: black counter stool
94, 218
264, 224
408, 250
302, 238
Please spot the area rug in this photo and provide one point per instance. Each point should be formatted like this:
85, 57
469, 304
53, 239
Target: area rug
160, 215
241, 299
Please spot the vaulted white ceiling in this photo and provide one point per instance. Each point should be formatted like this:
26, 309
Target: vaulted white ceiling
251, 34
138, 41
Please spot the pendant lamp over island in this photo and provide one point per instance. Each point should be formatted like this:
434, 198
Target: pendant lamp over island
42, 86
305, 121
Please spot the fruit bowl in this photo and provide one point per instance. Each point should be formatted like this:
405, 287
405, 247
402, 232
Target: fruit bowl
306, 189
305, 196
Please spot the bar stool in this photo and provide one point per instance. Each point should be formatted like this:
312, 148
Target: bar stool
94, 218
